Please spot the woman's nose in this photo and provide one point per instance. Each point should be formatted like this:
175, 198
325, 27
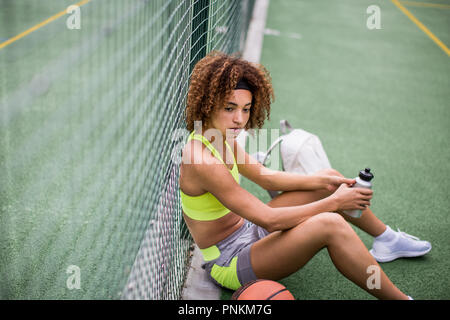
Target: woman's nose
238, 116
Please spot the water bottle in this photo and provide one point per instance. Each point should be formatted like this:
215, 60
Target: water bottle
363, 181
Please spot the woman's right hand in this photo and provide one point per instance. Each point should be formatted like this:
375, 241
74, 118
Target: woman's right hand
348, 198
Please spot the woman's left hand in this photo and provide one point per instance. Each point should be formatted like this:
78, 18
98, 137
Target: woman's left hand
332, 183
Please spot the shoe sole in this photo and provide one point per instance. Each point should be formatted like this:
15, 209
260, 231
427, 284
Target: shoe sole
401, 254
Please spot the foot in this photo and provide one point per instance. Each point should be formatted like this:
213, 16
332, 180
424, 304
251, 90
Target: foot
392, 245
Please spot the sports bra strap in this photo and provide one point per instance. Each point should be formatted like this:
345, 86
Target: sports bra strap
199, 137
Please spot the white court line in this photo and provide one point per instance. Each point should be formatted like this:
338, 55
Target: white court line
255, 35
278, 33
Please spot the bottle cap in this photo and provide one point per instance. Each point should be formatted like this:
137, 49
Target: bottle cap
365, 174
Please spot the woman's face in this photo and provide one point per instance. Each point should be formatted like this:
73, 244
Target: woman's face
234, 116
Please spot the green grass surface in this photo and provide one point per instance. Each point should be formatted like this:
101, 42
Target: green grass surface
376, 98
79, 111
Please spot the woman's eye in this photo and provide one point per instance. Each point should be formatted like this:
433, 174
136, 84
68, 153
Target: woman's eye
228, 109
247, 110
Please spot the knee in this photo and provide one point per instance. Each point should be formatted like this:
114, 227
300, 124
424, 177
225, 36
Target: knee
331, 225
330, 220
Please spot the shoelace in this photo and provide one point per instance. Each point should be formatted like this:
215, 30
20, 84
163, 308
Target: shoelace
405, 235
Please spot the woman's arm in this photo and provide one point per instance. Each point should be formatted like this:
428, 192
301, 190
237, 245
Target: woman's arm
270, 179
214, 177
289, 181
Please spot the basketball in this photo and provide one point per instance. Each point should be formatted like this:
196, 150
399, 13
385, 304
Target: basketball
262, 290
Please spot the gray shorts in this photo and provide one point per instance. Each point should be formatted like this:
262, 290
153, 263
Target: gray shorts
232, 269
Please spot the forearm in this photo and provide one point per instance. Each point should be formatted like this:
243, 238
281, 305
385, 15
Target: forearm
288, 217
289, 181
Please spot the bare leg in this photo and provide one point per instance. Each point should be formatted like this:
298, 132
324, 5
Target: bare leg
368, 222
347, 251
292, 249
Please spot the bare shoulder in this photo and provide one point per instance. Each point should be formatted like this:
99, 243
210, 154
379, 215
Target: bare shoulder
201, 166
192, 165
195, 155
197, 162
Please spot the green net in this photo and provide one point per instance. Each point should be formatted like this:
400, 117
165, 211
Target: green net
91, 101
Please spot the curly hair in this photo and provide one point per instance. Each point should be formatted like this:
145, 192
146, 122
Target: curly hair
214, 78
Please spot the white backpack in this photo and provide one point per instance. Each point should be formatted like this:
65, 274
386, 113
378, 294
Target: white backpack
301, 151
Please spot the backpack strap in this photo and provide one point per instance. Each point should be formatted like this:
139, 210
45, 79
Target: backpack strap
285, 126
274, 144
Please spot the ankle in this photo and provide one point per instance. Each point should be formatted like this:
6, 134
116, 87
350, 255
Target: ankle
387, 235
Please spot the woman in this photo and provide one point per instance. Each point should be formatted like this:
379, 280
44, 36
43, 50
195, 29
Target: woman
240, 237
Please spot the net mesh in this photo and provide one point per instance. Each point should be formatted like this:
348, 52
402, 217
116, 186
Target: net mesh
89, 130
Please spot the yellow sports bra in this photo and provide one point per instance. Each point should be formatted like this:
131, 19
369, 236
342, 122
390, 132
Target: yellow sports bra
206, 207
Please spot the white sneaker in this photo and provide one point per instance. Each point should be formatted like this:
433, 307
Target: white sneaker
392, 245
